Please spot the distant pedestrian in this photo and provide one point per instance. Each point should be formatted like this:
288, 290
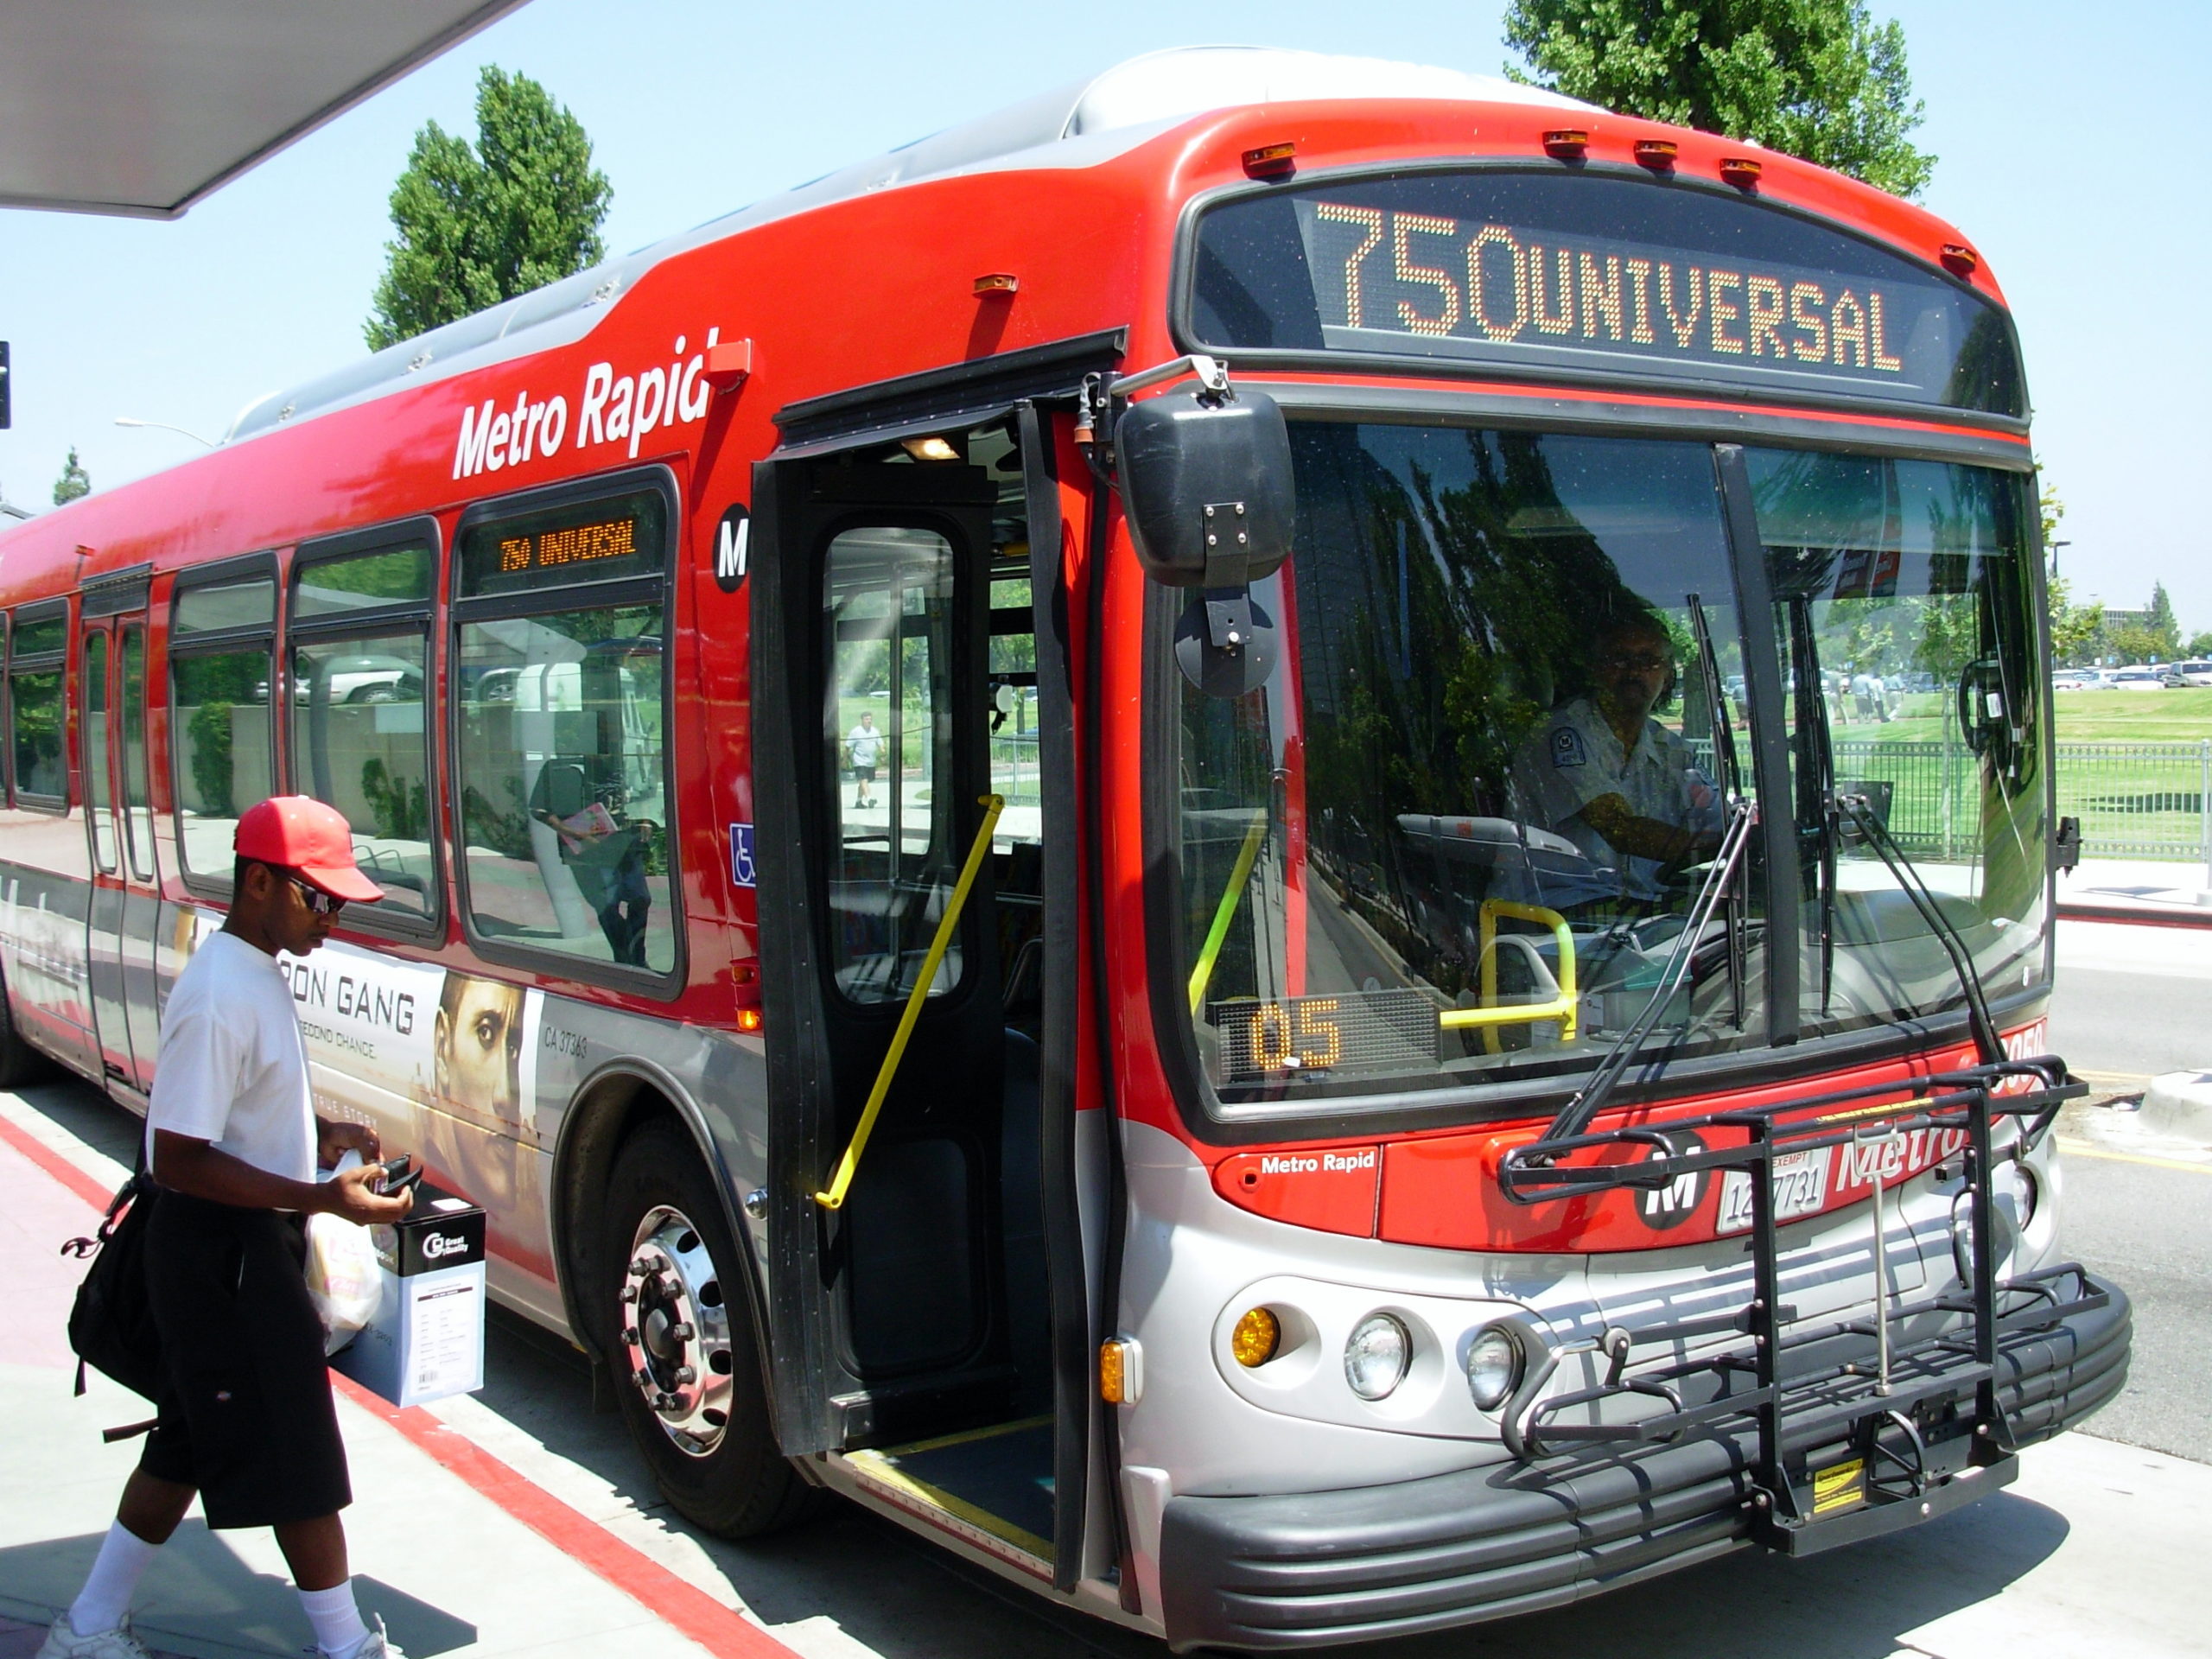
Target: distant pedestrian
245, 1418
864, 747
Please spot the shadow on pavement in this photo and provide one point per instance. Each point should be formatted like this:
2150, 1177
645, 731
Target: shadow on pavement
199, 1599
898, 1596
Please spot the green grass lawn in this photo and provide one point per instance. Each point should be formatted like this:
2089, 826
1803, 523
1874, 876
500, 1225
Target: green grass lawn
2135, 716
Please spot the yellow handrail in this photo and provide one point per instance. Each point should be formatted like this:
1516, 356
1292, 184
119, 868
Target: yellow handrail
1225, 911
1490, 1016
834, 1197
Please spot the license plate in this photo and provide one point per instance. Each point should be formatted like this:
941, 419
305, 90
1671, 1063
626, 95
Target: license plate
1800, 1186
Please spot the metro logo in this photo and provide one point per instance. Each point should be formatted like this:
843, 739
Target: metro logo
609, 409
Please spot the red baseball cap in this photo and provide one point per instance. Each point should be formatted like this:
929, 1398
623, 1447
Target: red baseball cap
303, 834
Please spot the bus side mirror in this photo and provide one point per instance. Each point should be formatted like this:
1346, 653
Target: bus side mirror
1205, 481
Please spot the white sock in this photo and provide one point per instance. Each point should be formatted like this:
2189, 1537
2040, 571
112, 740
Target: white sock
338, 1628
105, 1598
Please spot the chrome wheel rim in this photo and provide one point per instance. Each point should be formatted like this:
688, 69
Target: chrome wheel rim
675, 1331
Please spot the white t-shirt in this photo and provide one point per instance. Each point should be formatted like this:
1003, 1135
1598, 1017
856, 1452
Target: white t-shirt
867, 743
233, 1068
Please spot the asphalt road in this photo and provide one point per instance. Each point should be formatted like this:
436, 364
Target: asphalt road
2132, 1000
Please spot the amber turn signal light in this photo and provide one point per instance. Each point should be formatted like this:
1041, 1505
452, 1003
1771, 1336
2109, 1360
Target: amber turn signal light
997, 282
1567, 144
1257, 1335
1657, 154
1742, 171
1271, 161
1960, 259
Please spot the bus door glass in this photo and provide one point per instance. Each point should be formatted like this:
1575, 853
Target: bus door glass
141, 890
96, 727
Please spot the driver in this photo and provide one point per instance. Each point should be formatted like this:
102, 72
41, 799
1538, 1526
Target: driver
1611, 779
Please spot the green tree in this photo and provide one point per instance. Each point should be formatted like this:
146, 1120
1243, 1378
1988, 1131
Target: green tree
2163, 629
74, 482
2200, 643
478, 225
1813, 78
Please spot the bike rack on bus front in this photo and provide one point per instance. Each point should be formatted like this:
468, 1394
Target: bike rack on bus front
1909, 1456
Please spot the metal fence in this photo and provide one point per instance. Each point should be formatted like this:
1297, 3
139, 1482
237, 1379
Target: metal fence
2135, 800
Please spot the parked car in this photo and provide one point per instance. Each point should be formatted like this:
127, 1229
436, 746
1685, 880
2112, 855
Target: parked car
2138, 679
2074, 679
2198, 671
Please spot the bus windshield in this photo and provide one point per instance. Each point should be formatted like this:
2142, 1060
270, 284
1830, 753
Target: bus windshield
1458, 834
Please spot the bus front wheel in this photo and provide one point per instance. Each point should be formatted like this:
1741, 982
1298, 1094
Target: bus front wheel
681, 1344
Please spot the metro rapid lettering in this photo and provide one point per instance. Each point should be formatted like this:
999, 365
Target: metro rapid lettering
610, 408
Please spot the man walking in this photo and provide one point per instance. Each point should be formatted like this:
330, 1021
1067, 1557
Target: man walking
245, 1417
865, 745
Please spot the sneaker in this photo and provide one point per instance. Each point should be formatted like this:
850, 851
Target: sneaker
62, 1642
378, 1646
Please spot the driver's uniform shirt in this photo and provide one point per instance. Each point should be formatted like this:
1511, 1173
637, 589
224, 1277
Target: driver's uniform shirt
1574, 758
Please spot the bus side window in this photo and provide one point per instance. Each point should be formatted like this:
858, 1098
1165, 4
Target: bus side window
35, 711
221, 661
560, 735
359, 637
99, 793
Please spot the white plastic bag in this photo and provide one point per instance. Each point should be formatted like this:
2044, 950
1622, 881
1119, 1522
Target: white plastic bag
344, 1279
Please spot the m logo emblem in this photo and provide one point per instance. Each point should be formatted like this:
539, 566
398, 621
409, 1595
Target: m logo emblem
732, 551
1665, 1208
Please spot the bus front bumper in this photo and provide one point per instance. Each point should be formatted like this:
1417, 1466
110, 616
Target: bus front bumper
1313, 1569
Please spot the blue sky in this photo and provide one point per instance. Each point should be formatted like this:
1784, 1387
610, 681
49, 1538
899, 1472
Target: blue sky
2067, 140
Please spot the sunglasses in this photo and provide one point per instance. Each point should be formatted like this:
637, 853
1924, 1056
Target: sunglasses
317, 901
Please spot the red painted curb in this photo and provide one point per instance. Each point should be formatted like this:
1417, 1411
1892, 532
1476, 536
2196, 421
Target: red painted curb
719, 1628
2133, 916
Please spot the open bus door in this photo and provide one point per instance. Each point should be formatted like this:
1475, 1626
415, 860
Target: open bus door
899, 743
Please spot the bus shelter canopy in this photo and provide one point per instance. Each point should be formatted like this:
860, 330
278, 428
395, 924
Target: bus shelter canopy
123, 106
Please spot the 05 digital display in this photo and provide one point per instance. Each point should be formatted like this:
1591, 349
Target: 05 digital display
602, 542
1594, 276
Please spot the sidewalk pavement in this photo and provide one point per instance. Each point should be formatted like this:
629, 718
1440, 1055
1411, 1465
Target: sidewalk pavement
511, 1521
2121, 890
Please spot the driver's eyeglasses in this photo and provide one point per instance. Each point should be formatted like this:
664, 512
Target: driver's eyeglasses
321, 903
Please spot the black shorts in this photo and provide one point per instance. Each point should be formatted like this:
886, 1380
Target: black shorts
246, 1416
863, 774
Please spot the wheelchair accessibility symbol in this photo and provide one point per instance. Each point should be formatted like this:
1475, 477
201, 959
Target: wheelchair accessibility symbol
740, 855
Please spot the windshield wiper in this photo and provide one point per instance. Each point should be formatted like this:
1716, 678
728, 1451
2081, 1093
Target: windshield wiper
1986, 1041
1591, 1099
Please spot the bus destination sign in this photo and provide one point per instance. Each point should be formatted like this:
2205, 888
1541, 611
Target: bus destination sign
1594, 278
606, 538
607, 541
1396, 281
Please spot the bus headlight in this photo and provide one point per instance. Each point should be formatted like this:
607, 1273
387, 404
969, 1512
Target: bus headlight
1377, 1356
2017, 1181
1493, 1366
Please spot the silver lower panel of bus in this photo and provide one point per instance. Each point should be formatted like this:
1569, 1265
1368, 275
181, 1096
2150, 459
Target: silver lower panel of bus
1307, 1570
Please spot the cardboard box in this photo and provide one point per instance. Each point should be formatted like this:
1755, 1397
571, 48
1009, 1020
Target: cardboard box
426, 1341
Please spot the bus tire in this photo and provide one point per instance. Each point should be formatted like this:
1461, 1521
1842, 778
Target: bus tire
19, 1062
681, 1344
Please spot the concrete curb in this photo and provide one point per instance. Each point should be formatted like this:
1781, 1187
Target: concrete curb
2179, 1107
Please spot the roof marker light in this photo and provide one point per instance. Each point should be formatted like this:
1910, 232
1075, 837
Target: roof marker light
1566, 143
1271, 161
1742, 171
1657, 154
996, 282
1960, 259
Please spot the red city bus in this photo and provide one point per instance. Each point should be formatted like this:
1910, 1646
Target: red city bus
1160, 835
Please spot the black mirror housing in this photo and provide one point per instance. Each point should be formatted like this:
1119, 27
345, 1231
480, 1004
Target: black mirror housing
1205, 479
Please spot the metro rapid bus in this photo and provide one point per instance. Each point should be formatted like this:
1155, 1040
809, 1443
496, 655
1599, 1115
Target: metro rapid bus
1142, 834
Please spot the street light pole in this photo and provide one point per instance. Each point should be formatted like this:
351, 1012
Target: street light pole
131, 420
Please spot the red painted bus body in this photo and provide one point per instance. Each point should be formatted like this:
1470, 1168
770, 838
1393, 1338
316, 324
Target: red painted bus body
1078, 1153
